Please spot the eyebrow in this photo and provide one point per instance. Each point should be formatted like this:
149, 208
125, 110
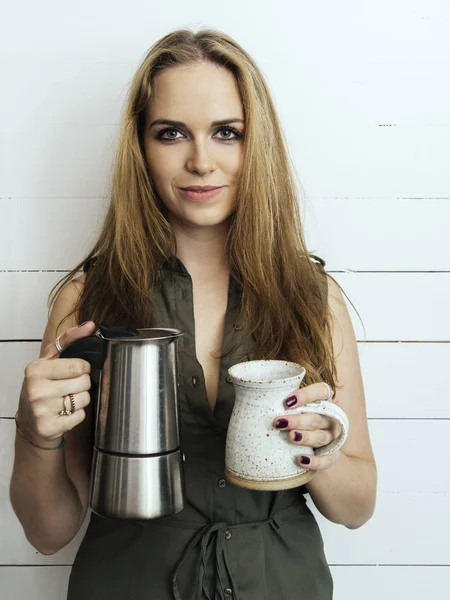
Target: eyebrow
181, 124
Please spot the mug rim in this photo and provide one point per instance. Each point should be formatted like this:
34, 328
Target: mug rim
282, 381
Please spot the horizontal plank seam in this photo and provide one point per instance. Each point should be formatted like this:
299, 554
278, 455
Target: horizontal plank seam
34, 271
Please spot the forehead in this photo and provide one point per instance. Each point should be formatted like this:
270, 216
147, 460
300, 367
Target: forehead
202, 91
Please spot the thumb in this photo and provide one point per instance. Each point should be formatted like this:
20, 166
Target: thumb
68, 337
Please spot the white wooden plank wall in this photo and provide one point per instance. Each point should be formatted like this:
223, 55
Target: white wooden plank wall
363, 92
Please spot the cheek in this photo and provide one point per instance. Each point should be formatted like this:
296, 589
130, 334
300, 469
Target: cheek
160, 164
234, 164
158, 170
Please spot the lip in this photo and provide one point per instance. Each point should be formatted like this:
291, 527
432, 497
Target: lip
201, 188
212, 192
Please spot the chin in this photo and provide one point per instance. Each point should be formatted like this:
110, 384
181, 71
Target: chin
215, 216
210, 221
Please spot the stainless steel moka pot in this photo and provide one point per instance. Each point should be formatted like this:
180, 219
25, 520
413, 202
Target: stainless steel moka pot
137, 463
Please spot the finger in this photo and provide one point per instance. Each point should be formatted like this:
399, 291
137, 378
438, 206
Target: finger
53, 408
48, 424
54, 428
313, 439
71, 335
304, 421
50, 390
65, 368
309, 393
318, 463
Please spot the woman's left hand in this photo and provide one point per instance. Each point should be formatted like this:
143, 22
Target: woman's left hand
310, 429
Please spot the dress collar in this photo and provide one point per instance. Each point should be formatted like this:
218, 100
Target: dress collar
173, 263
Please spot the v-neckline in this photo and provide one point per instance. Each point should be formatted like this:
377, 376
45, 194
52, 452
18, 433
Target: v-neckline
211, 411
177, 266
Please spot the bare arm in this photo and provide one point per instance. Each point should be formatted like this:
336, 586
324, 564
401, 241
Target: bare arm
49, 489
346, 492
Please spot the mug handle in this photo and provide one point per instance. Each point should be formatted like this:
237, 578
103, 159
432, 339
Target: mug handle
327, 409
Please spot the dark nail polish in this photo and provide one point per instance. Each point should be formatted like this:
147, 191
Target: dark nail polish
297, 436
305, 460
81, 324
281, 423
291, 401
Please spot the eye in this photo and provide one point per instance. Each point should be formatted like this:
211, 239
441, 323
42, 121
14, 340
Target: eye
164, 131
233, 130
170, 138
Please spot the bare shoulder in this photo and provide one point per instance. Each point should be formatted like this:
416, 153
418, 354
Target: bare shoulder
337, 304
78, 449
334, 291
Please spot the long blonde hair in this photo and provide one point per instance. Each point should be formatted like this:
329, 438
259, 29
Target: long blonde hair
284, 302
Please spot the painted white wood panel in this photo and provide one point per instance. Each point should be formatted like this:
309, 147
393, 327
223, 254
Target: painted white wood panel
383, 32
393, 306
34, 583
413, 487
378, 234
391, 582
399, 306
60, 232
395, 381
393, 378
372, 161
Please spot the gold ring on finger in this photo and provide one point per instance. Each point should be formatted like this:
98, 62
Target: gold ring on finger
65, 411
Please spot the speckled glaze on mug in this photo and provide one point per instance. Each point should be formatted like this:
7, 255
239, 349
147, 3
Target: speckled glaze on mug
257, 455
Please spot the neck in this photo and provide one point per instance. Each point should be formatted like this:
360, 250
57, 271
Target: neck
202, 250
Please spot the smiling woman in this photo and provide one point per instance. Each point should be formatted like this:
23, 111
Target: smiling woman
228, 266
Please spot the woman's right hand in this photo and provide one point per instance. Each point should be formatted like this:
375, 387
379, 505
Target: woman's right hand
47, 380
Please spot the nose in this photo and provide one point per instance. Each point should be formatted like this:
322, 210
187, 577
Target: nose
200, 159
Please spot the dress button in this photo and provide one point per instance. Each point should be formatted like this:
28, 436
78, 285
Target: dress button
227, 534
228, 592
221, 483
216, 431
237, 327
194, 380
228, 379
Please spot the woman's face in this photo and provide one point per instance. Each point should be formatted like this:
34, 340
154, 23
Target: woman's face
195, 152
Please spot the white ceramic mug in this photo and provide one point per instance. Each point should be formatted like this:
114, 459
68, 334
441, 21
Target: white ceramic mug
257, 455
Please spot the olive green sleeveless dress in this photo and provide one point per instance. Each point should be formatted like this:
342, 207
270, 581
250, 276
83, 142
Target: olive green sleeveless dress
228, 543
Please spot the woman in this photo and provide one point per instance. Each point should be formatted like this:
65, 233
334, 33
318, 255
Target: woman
230, 269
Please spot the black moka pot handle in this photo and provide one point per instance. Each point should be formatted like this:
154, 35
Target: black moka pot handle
93, 348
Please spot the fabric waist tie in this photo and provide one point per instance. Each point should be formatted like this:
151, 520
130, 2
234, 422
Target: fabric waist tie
208, 539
